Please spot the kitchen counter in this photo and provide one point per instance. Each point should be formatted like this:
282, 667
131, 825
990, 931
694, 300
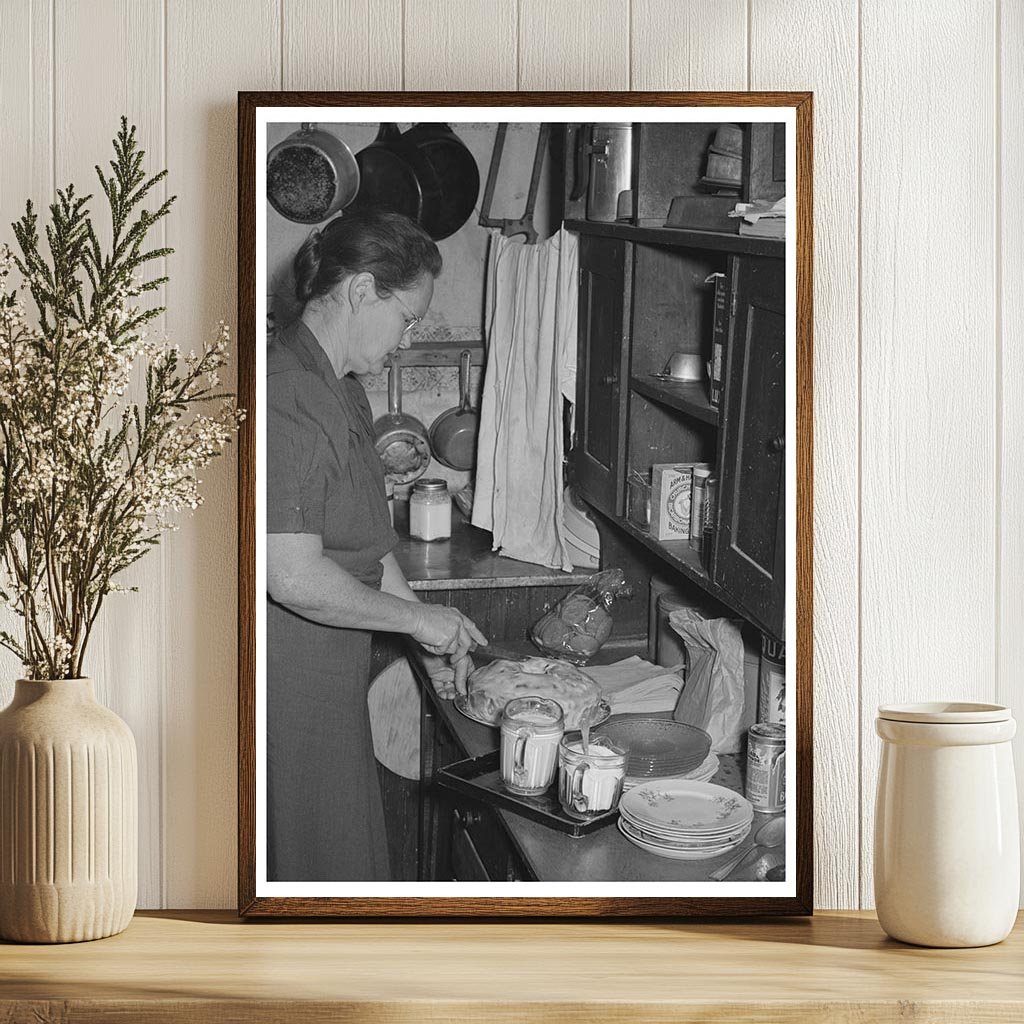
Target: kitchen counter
466, 562
203, 967
603, 855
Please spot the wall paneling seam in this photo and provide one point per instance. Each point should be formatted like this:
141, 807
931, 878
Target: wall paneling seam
629, 44
164, 621
859, 475
997, 207
53, 97
519, 44
750, 43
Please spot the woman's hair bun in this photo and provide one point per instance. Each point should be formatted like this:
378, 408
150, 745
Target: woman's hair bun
395, 249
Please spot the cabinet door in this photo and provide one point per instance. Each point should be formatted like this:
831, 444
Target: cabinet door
467, 865
438, 747
750, 558
601, 371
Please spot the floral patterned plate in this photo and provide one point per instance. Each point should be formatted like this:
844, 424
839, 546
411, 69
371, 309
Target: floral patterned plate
690, 842
690, 808
677, 852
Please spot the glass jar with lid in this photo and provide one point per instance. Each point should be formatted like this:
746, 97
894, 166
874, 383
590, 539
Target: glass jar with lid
430, 510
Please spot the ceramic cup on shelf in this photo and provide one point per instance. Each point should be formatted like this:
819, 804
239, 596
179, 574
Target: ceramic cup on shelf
947, 847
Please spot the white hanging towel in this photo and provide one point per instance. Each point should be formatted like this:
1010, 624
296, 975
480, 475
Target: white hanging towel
530, 320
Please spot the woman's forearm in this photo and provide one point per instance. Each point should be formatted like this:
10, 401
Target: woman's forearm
324, 592
302, 578
394, 582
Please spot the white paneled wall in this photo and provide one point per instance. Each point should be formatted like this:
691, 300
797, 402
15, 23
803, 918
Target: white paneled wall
919, 343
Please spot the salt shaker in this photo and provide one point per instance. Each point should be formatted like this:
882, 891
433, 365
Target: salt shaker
947, 848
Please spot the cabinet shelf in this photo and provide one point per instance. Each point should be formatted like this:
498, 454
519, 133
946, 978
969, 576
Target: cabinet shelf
692, 238
688, 396
686, 560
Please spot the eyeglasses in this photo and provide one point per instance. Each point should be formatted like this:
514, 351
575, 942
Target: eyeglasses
413, 318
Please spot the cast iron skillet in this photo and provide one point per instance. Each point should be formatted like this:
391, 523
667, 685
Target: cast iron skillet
455, 173
394, 176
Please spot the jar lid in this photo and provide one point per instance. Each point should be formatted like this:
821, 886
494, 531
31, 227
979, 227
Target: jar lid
430, 484
945, 712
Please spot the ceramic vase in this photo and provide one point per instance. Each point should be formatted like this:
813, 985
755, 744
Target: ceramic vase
68, 815
947, 847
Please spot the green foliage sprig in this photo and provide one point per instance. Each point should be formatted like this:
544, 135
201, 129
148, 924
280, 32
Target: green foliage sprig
89, 478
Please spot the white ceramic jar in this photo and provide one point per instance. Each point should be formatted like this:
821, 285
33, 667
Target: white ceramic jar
947, 847
430, 511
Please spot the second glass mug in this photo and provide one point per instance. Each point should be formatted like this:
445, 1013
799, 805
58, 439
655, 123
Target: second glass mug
531, 728
589, 783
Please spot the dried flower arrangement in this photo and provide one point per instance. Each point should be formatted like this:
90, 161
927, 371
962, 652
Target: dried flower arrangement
88, 477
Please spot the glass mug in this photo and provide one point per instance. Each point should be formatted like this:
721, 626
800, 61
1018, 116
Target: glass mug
531, 728
589, 784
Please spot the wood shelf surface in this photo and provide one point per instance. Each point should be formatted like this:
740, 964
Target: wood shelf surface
686, 560
204, 966
689, 397
690, 238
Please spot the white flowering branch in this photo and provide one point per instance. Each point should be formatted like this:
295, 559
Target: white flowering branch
89, 479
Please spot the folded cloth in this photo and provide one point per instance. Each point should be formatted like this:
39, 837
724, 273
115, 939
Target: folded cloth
635, 686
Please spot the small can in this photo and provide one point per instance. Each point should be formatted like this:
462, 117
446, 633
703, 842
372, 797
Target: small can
766, 767
710, 520
697, 496
771, 682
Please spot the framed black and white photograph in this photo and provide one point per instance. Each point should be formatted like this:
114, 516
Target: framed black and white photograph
525, 504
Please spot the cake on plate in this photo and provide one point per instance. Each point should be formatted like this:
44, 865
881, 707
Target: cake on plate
492, 686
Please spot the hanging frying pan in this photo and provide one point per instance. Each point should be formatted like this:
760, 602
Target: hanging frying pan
455, 173
311, 175
453, 433
400, 439
393, 176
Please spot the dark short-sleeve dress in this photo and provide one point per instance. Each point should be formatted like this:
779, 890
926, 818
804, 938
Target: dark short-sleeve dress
325, 819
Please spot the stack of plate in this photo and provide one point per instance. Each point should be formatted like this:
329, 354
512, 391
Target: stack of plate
704, 771
580, 533
659, 748
684, 820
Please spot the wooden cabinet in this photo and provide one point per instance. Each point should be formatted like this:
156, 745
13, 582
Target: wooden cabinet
460, 839
750, 562
645, 292
604, 311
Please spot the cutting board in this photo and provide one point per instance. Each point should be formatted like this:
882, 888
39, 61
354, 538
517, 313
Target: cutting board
394, 703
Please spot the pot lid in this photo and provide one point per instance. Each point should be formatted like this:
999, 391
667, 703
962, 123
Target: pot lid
945, 712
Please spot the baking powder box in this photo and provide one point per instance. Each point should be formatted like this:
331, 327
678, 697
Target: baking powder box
671, 484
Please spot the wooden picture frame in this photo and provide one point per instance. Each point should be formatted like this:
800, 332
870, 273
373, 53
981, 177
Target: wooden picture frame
258, 897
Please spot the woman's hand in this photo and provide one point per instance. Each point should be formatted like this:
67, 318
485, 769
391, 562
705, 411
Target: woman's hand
441, 674
442, 630
462, 670
448, 680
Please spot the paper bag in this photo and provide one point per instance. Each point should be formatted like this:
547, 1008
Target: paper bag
713, 694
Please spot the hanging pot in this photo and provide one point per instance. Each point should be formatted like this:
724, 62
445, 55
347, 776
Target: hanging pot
311, 175
453, 433
456, 176
401, 440
393, 176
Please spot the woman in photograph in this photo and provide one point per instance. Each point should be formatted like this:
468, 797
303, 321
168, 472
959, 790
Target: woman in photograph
365, 280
